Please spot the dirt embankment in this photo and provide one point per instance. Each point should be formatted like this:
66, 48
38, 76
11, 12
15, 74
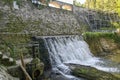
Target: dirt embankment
102, 44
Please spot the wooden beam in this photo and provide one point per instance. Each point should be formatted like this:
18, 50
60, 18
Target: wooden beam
27, 77
25, 72
22, 61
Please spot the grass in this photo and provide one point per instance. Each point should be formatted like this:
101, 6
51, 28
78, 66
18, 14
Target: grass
98, 35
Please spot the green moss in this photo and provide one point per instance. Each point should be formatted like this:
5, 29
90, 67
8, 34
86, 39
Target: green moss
18, 2
91, 73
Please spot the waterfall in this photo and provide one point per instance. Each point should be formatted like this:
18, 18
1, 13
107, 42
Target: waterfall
71, 49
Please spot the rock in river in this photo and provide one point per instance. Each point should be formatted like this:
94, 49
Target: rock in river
91, 73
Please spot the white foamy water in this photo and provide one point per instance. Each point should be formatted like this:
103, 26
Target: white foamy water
15, 5
72, 49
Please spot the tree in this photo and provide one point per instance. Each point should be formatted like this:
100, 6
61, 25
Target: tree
105, 5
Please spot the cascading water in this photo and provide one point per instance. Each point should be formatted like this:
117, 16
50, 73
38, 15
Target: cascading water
71, 49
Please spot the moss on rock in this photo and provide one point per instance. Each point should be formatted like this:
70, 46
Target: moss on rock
91, 73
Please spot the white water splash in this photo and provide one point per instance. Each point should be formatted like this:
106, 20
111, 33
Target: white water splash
72, 50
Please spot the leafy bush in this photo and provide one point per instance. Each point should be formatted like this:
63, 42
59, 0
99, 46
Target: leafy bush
116, 25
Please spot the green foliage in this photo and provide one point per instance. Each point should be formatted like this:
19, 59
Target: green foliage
98, 35
41, 6
94, 41
19, 2
116, 25
77, 3
104, 5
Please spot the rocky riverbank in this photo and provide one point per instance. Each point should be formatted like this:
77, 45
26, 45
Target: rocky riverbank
103, 44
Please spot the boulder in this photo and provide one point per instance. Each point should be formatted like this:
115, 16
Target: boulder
5, 76
15, 71
91, 73
108, 45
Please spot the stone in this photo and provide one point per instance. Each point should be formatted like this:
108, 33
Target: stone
15, 71
103, 44
7, 61
108, 45
5, 57
91, 73
11, 61
5, 76
1, 55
